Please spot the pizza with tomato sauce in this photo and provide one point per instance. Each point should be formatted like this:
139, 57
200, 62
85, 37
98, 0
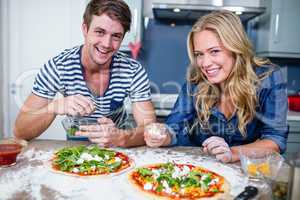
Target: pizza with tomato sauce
179, 181
89, 161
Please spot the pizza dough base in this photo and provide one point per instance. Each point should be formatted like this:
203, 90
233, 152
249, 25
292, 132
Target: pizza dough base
131, 166
225, 195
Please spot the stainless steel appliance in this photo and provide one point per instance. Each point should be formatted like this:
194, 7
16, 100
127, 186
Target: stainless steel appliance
294, 181
193, 9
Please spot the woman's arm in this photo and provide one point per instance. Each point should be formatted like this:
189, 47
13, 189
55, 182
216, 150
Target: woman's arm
272, 116
273, 107
259, 144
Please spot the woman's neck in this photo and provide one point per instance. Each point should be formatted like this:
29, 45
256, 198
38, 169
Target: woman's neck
226, 106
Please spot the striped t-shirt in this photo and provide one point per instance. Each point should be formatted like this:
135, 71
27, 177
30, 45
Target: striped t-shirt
64, 74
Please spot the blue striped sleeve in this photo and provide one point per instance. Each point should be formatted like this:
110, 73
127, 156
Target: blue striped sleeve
140, 87
47, 81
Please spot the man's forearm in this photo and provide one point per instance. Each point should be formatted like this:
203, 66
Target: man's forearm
132, 137
31, 125
143, 113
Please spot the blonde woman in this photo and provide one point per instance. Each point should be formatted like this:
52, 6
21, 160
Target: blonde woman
231, 97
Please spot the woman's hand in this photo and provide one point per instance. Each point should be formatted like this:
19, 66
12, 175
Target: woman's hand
75, 105
156, 135
218, 147
104, 133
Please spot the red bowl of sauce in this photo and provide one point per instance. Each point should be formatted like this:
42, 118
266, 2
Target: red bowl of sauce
9, 150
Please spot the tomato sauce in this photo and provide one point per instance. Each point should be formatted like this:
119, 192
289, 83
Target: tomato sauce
8, 153
192, 194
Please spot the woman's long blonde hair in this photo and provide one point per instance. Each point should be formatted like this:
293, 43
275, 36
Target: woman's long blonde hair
241, 85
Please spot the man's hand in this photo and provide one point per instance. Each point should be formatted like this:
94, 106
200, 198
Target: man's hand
104, 133
75, 105
156, 135
218, 147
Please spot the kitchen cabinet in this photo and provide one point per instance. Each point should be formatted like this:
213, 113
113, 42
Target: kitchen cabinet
135, 33
293, 143
278, 29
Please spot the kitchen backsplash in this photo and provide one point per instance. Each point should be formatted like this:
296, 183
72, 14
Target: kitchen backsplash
164, 55
291, 70
294, 77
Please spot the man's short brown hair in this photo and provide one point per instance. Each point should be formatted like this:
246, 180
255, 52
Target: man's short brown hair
115, 9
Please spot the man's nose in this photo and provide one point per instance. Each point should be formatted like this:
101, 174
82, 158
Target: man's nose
106, 41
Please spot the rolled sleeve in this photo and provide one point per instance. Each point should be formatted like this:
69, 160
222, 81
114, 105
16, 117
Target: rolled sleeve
278, 140
178, 120
273, 115
179, 135
173, 136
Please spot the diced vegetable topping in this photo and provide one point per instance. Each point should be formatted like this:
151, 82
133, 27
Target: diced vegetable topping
175, 180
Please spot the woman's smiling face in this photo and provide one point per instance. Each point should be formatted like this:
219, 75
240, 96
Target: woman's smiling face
214, 60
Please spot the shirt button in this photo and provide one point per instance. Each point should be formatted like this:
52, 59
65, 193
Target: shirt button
230, 126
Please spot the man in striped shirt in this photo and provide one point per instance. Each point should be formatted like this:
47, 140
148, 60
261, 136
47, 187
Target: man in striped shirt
94, 80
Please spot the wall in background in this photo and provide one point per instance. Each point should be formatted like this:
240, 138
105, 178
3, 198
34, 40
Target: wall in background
2, 83
164, 55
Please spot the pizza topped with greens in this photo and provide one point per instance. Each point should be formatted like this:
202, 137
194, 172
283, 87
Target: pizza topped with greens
179, 181
89, 161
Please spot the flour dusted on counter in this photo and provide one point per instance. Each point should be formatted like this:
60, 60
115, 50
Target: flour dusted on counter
15, 183
35, 180
234, 176
34, 154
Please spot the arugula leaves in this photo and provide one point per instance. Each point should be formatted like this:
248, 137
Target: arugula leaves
193, 178
71, 131
101, 160
144, 171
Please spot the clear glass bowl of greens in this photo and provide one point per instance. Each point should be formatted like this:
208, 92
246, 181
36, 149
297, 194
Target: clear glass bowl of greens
72, 124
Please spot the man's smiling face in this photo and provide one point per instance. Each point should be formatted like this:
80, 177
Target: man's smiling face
102, 39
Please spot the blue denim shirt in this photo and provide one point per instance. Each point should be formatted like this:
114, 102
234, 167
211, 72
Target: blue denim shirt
269, 123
